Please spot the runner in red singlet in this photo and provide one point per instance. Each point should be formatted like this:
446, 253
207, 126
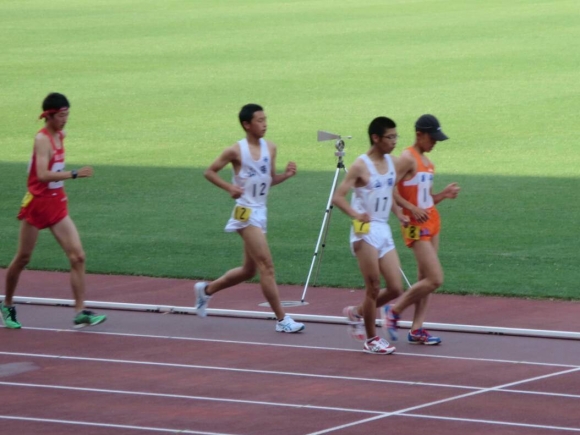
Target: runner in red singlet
45, 206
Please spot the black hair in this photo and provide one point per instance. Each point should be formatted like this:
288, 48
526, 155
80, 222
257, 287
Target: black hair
55, 101
247, 112
379, 125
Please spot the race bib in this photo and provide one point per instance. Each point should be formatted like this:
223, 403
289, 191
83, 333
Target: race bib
241, 213
412, 232
361, 227
26, 200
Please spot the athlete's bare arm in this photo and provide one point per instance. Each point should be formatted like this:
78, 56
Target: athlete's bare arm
290, 167
450, 192
43, 150
355, 177
229, 155
398, 211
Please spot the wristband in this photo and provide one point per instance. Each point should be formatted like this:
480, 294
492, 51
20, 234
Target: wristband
74, 174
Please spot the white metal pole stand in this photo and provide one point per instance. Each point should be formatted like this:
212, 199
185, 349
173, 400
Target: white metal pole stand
321, 242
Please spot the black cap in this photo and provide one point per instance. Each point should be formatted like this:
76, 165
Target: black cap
429, 124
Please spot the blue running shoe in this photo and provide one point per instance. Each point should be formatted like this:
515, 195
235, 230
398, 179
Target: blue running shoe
421, 336
390, 322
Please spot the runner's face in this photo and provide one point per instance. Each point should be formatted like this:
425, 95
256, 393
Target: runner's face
258, 125
425, 141
388, 141
58, 120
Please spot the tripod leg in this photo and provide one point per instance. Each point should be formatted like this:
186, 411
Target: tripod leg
405, 276
323, 245
323, 230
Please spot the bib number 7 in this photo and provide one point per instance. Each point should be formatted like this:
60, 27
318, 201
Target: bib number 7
361, 227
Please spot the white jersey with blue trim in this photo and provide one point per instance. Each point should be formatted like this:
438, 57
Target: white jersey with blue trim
376, 198
255, 176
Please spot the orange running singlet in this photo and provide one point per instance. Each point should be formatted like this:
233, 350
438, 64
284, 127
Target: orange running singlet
417, 191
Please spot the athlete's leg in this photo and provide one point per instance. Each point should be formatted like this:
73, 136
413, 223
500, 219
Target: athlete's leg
26, 243
256, 246
368, 262
66, 234
390, 268
428, 261
422, 304
234, 276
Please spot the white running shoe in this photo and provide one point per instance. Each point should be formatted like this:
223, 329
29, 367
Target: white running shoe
287, 324
378, 346
201, 299
355, 328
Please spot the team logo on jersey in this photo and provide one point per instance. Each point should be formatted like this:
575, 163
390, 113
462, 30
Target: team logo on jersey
251, 173
265, 159
263, 169
422, 178
390, 182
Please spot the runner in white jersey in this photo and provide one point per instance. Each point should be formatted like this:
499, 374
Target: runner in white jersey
254, 178
373, 176
254, 164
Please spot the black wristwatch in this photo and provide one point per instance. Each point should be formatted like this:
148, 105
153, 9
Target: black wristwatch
74, 174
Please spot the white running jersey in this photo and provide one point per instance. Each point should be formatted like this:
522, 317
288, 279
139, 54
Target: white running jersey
255, 175
376, 198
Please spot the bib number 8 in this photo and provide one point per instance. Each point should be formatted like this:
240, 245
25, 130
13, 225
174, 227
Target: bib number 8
413, 232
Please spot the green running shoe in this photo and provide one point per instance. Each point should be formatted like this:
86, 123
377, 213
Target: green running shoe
88, 318
9, 317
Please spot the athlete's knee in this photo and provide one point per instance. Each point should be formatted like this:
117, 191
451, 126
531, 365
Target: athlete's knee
249, 272
265, 266
77, 258
22, 259
435, 281
373, 287
395, 290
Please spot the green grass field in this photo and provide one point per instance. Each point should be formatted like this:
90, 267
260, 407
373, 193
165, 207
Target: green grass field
155, 89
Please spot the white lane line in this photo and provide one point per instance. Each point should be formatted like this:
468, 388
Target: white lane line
230, 369
541, 393
296, 346
449, 399
181, 396
281, 373
112, 426
501, 423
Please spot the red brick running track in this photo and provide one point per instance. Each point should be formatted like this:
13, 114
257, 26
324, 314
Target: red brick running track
170, 373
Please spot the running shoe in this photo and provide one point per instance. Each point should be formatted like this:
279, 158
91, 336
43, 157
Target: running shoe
378, 346
9, 317
287, 324
88, 318
390, 322
421, 336
355, 326
201, 298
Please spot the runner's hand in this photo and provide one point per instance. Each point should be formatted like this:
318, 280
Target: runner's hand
84, 172
363, 217
451, 191
419, 214
405, 221
235, 191
290, 169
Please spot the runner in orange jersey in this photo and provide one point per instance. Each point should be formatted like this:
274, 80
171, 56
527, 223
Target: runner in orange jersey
416, 196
